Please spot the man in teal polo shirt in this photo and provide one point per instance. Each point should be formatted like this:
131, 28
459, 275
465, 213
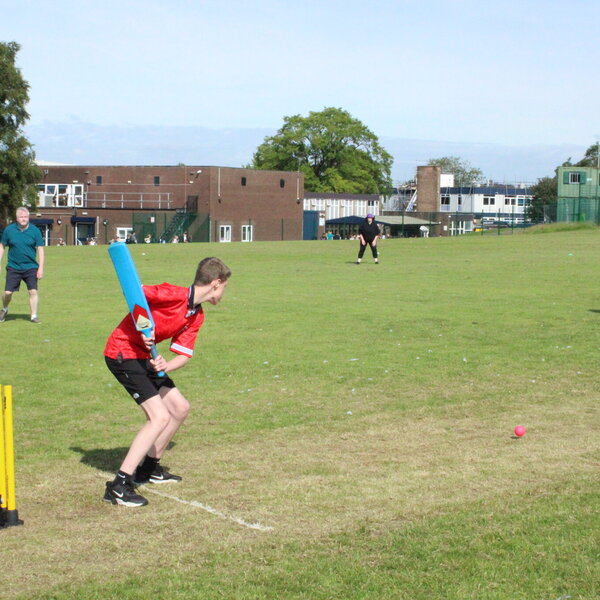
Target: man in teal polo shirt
25, 261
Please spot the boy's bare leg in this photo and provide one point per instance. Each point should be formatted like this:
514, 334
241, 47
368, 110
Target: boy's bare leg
158, 419
178, 408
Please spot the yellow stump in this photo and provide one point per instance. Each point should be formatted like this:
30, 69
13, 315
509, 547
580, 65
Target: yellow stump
2, 458
7, 454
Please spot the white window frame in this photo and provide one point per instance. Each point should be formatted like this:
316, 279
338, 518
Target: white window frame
574, 177
247, 231
123, 232
61, 195
225, 233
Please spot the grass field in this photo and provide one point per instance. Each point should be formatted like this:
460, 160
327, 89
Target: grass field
360, 417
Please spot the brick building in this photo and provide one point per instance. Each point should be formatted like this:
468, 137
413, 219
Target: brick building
208, 203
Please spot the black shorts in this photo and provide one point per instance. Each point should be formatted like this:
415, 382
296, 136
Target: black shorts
14, 278
138, 377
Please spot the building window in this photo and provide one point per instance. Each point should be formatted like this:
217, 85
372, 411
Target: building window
243, 181
489, 200
63, 196
445, 200
574, 177
157, 180
123, 232
459, 200
98, 179
246, 233
77, 195
282, 183
225, 233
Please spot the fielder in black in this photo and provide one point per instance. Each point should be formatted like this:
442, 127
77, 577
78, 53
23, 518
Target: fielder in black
368, 234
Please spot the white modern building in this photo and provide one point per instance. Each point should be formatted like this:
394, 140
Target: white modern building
335, 206
493, 203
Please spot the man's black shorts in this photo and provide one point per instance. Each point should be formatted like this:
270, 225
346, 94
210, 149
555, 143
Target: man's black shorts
14, 278
138, 377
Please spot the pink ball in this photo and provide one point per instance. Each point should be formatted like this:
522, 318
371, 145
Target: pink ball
519, 431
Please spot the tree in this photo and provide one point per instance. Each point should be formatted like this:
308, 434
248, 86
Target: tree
464, 173
18, 171
591, 158
336, 153
543, 203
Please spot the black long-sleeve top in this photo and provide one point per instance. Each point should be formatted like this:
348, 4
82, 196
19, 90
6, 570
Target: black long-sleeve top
369, 231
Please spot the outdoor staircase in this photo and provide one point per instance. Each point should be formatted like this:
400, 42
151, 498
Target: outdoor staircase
412, 205
178, 224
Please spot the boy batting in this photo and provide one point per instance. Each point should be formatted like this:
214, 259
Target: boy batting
178, 315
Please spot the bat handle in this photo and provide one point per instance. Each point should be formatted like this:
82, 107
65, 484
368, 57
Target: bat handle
154, 353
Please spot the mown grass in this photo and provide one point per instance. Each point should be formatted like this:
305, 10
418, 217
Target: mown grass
365, 413
561, 227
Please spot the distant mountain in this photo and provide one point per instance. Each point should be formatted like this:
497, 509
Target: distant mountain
76, 142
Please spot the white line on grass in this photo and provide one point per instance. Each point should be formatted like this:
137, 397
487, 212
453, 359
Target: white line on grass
211, 510
207, 508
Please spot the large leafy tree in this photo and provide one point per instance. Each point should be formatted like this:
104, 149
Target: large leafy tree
464, 173
336, 153
18, 171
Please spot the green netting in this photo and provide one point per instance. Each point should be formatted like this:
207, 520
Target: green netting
165, 226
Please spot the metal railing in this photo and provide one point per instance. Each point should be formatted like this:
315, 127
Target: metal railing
130, 200
154, 200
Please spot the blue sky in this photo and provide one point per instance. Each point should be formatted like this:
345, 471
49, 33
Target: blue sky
509, 73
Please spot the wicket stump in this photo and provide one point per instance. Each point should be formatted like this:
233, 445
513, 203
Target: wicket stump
9, 515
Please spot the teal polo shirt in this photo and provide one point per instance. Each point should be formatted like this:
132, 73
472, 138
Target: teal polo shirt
22, 246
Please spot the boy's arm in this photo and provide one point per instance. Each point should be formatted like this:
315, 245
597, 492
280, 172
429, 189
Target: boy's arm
160, 364
1, 252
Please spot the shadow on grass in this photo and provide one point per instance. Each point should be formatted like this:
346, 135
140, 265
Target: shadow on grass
105, 459
594, 310
17, 316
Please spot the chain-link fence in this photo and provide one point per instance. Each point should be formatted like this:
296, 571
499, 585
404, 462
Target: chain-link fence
572, 210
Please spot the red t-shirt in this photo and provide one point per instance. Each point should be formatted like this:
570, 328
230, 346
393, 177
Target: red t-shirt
175, 317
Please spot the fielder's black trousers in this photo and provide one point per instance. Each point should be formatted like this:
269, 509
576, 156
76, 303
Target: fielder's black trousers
363, 247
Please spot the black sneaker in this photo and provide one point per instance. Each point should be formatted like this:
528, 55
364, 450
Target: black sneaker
159, 475
123, 494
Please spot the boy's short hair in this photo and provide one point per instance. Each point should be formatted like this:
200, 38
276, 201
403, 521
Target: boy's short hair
211, 268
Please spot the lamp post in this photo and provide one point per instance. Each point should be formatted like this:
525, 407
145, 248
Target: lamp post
105, 223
